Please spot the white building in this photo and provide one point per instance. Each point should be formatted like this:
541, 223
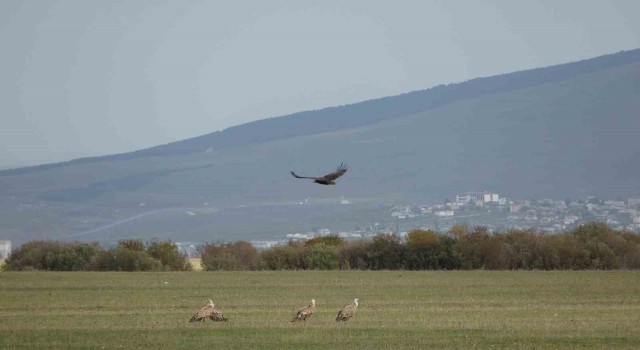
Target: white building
475, 197
469, 197
633, 202
5, 249
491, 197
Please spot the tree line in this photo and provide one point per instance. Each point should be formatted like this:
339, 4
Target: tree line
128, 255
590, 246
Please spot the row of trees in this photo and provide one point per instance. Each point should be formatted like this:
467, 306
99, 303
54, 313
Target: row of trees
591, 246
128, 255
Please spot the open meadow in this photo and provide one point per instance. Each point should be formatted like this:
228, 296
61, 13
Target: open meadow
398, 309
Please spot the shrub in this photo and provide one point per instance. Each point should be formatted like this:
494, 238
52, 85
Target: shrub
291, 256
169, 256
132, 244
125, 259
480, 250
52, 256
323, 257
330, 240
590, 246
240, 255
386, 252
353, 255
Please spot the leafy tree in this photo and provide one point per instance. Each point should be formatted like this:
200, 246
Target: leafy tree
422, 247
420, 239
52, 256
291, 256
125, 259
323, 257
240, 255
480, 250
447, 256
132, 244
459, 231
386, 252
353, 255
330, 240
169, 256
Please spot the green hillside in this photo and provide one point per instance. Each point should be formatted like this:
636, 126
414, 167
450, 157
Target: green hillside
558, 139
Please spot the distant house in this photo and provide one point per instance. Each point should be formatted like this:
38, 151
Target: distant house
570, 219
491, 197
477, 197
324, 232
515, 207
469, 197
615, 204
5, 249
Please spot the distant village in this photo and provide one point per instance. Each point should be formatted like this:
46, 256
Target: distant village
497, 213
487, 209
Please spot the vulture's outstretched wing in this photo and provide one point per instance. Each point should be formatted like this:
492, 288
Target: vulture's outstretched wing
303, 177
327, 179
342, 169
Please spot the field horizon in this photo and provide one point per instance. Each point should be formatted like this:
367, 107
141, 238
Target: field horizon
398, 309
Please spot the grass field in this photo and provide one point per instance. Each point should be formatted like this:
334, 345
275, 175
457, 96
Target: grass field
398, 310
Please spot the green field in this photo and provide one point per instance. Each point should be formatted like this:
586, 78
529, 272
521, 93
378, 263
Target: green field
398, 310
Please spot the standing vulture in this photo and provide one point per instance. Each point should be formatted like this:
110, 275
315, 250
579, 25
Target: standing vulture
305, 312
348, 311
208, 311
327, 179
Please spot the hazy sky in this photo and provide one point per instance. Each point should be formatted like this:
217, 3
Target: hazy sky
88, 77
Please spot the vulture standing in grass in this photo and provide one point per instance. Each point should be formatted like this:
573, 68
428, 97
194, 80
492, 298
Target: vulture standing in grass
208, 311
327, 179
348, 311
305, 312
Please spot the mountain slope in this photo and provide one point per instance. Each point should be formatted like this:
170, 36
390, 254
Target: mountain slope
564, 138
364, 113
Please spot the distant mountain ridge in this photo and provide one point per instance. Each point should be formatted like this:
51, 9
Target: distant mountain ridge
363, 113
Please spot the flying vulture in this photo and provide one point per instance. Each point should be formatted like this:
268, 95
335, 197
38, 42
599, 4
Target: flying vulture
327, 179
305, 312
208, 311
348, 311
